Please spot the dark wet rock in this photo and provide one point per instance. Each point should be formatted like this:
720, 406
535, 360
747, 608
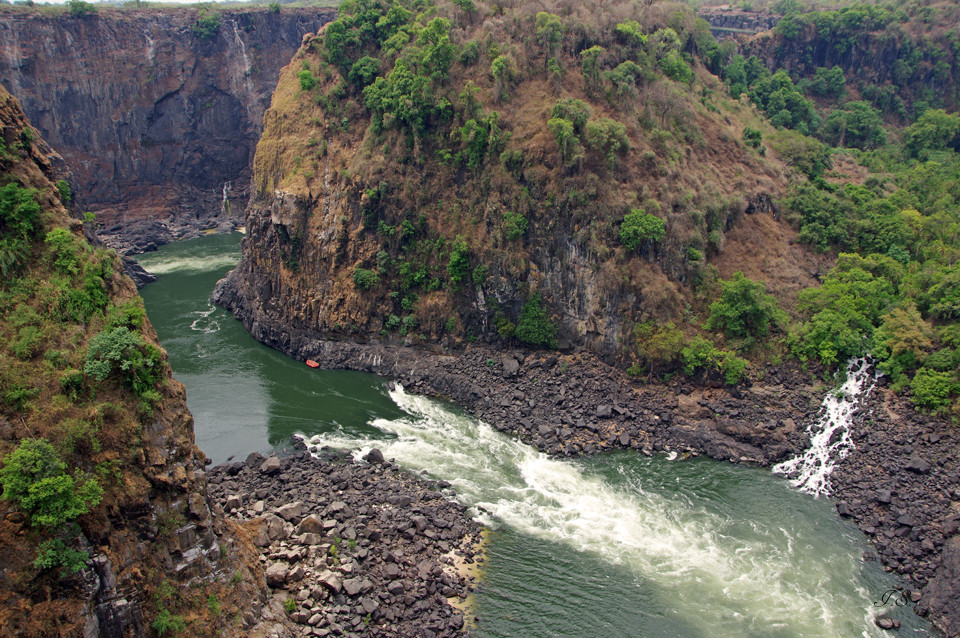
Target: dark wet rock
374, 456
372, 553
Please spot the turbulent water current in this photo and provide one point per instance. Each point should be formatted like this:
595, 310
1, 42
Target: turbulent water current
617, 545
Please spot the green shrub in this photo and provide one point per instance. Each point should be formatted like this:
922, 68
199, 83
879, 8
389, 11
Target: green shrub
307, 81
514, 225
458, 267
63, 248
638, 227
63, 187
35, 477
123, 353
659, 345
365, 279
207, 24
752, 137
55, 553
933, 389
534, 326
745, 311
577, 112
167, 623
608, 138
27, 344
79, 8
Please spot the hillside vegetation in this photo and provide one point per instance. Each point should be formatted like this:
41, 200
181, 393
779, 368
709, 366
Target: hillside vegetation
576, 176
549, 174
101, 480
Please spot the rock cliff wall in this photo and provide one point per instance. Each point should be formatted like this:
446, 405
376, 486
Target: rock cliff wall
152, 544
157, 124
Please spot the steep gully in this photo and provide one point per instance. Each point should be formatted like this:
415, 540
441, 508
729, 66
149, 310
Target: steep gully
157, 125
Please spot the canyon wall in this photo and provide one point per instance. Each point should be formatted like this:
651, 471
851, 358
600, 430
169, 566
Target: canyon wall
157, 123
149, 548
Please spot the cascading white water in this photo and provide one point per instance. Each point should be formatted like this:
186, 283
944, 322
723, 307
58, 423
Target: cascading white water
830, 436
224, 202
716, 574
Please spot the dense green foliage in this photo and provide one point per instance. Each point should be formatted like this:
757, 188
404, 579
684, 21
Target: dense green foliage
744, 311
639, 227
36, 479
534, 326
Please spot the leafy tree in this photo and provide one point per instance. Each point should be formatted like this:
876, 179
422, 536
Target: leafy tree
436, 50
675, 67
458, 268
503, 68
577, 112
590, 65
608, 138
933, 389
364, 71
660, 345
123, 353
934, 130
35, 477
564, 132
365, 279
828, 82
857, 124
19, 219
534, 326
638, 226
207, 24
631, 33
63, 187
549, 33
745, 311
902, 340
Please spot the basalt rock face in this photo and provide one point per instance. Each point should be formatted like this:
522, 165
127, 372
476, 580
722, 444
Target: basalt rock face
157, 124
154, 524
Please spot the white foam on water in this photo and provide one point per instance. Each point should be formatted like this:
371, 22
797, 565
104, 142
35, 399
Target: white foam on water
830, 436
203, 323
713, 579
160, 265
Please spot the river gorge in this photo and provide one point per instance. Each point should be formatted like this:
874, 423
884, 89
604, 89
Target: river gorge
619, 543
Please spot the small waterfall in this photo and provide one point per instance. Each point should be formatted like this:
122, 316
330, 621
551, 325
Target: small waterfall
224, 202
245, 72
830, 437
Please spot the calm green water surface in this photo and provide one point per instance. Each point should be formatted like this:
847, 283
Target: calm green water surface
616, 545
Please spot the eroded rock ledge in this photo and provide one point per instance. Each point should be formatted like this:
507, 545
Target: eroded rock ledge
351, 546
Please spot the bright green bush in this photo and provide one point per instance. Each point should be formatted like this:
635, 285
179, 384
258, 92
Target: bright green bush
514, 225
933, 389
55, 553
534, 326
608, 138
307, 81
365, 279
745, 311
638, 227
207, 24
34, 477
458, 268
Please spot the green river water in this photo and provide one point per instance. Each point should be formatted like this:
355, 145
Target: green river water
618, 545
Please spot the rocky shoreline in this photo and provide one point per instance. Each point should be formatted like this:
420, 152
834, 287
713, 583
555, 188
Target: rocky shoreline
900, 485
351, 548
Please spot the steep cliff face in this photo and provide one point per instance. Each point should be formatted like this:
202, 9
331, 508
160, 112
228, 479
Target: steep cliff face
107, 529
157, 123
437, 205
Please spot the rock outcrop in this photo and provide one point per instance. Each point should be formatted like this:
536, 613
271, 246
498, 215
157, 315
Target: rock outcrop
352, 546
365, 227
150, 550
157, 123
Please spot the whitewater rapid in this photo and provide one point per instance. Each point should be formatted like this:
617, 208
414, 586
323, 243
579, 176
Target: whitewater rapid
767, 581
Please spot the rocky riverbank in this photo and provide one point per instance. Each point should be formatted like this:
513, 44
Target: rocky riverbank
576, 404
351, 548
